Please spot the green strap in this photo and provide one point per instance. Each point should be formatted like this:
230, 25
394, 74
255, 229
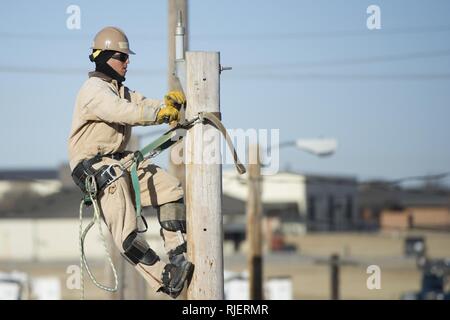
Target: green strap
156, 146
166, 140
136, 187
160, 144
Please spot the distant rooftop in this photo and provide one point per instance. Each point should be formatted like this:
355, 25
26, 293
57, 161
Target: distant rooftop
385, 195
322, 176
29, 174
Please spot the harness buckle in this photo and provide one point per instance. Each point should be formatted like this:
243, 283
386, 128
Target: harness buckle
112, 173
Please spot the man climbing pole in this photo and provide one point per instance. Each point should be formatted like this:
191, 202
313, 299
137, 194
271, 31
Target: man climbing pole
105, 111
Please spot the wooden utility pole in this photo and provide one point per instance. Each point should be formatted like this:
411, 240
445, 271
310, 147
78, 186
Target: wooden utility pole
175, 7
204, 179
254, 222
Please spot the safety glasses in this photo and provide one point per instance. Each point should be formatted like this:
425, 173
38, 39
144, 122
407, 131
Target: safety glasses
120, 56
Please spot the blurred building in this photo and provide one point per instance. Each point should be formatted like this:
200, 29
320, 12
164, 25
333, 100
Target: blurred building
296, 203
39, 218
39, 211
392, 207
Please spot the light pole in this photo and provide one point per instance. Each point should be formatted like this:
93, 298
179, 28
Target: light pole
321, 147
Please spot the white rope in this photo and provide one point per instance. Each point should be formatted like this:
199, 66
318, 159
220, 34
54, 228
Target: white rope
91, 188
81, 250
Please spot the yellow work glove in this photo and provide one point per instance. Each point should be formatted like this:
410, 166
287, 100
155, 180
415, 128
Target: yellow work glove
167, 114
175, 99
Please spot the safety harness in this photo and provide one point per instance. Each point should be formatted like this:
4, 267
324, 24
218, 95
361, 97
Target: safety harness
92, 181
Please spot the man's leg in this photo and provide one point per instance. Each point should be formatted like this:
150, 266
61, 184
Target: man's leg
120, 216
164, 192
172, 218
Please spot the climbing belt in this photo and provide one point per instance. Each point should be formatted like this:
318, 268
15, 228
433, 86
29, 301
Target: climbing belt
149, 151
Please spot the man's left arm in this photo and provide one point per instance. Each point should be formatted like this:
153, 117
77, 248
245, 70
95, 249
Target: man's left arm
169, 108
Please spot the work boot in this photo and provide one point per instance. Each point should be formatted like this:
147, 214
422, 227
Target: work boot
174, 277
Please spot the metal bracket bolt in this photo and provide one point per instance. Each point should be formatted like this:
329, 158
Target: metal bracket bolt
222, 68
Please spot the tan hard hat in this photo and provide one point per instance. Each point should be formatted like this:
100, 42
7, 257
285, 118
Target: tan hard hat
111, 38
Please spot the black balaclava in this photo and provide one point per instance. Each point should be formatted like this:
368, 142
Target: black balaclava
103, 67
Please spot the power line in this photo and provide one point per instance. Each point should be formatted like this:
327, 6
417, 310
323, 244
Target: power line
331, 33
278, 76
249, 36
395, 182
69, 70
70, 35
41, 70
352, 61
305, 178
347, 76
429, 177
244, 76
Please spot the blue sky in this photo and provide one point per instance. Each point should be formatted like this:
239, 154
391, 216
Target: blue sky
309, 68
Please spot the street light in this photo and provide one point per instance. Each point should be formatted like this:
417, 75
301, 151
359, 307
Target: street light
321, 147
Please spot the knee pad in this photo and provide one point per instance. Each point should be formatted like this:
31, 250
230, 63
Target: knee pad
172, 216
137, 250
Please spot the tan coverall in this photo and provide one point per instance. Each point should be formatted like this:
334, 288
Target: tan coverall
102, 120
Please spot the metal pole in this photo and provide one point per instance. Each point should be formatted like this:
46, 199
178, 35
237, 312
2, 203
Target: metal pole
177, 35
334, 269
